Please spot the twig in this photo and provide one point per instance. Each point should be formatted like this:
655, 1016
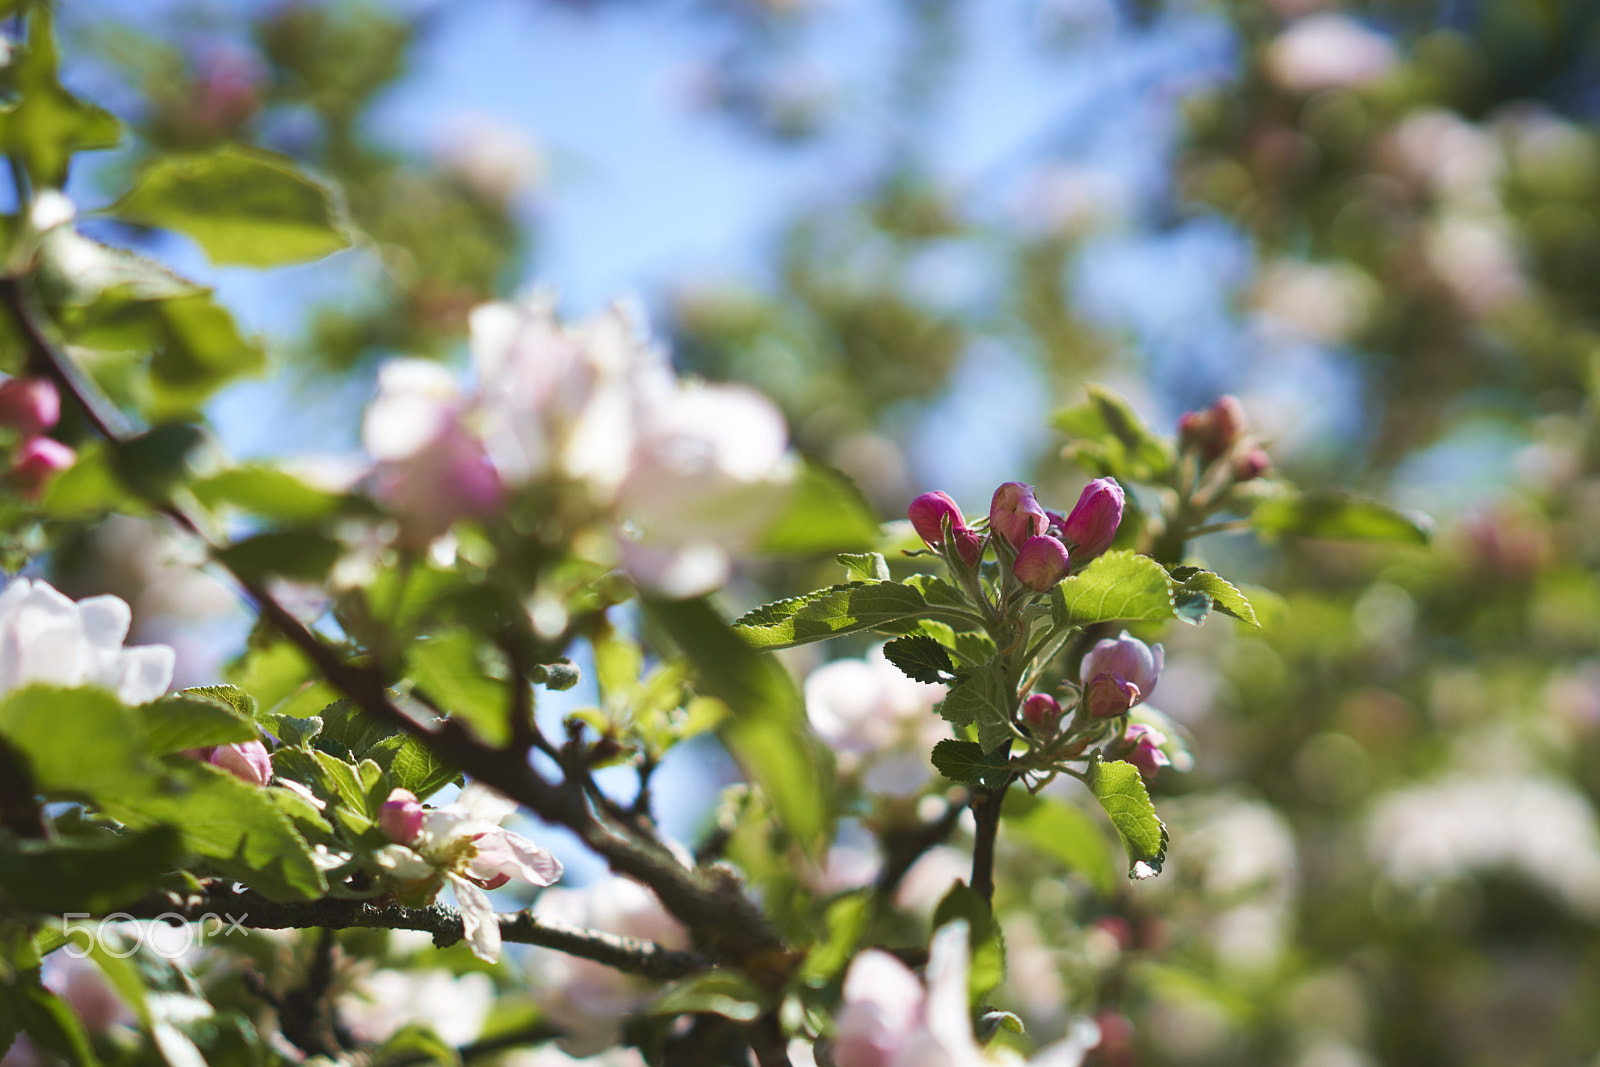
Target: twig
905, 851
986, 804
253, 911
722, 921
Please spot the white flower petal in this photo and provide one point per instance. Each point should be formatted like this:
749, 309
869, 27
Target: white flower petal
478, 919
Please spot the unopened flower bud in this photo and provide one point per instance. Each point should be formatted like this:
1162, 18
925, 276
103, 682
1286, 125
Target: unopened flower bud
1128, 658
1043, 711
1215, 430
1092, 526
928, 514
1145, 749
1251, 465
1041, 562
29, 406
247, 761
400, 818
1015, 515
1110, 694
37, 461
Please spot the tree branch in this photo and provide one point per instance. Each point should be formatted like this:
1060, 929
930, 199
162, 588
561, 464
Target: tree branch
720, 918
986, 804
253, 911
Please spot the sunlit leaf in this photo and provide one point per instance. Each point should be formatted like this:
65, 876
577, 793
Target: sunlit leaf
242, 205
1120, 790
1117, 587
831, 612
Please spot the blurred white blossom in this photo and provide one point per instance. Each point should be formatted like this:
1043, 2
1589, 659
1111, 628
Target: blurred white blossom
1467, 824
45, 637
496, 160
587, 1000
1328, 51
876, 719
454, 1006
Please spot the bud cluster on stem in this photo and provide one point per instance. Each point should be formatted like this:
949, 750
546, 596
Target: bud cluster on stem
29, 407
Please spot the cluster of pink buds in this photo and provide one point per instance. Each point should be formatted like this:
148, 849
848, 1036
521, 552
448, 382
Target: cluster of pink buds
247, 760
1041, 547
29, 407
1222, 432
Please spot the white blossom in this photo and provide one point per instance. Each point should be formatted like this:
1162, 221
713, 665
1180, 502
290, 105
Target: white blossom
464, 842
47, 638
889, 1020
876, 719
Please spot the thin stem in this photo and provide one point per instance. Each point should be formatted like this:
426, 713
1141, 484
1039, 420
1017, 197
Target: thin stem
1226, 526
986, 805
252, 911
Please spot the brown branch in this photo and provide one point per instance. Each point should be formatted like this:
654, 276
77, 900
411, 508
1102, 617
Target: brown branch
986, 804
904, 851
722, 920
251, 910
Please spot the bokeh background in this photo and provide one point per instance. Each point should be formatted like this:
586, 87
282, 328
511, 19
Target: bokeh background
920, 225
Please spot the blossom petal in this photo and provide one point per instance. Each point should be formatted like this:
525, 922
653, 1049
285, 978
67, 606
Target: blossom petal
478, 919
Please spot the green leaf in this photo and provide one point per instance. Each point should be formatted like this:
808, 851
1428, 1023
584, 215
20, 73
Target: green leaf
718, 991
416, 1043
350, 733
234, 825
1120, 790
985, 940
865, 566
76, 272
242, 205
193, 720
983, 698
1338, 517
154, 462
105, 756
47, 124
28, 1006
767, 733
1117, 587
306, 554
95, 873
1111, 439
1217, 592
199, 350
831, 612
921, 659
447, 669
824, 512
266, 492
1064, 833
966, 761
843, 924
231, 695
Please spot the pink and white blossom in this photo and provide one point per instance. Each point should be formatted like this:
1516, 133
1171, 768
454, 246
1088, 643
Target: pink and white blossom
464, 844
890, 1020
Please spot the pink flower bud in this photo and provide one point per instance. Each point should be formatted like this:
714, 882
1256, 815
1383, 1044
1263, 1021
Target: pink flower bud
1015, 515
37, 461
1213, 431
1041, 563
1092, 526
29, 405
1110, 694
1145, 751
928, 513
1251, 465
1042, 710
1127, 657
401, 817
247, 761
